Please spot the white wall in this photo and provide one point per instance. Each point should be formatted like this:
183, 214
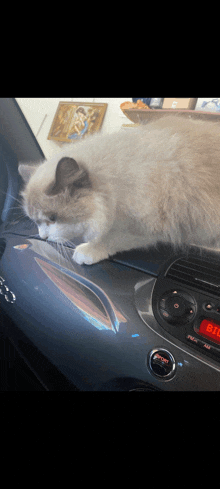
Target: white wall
40, 112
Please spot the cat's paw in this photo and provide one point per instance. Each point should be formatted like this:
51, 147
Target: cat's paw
89, 254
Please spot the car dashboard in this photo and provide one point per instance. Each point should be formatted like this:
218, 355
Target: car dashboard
142, 320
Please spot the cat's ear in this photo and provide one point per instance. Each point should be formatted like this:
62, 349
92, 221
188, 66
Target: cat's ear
69, 175
26, 171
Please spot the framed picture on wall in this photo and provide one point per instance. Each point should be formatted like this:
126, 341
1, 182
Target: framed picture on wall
75, 120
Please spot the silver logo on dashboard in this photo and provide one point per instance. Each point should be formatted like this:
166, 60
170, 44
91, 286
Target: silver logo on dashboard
4, 290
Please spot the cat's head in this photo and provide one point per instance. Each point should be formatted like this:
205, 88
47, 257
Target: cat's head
60, 198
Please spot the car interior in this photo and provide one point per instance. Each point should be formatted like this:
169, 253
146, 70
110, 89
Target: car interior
143, 320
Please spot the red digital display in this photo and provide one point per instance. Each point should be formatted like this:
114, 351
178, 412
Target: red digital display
210, 329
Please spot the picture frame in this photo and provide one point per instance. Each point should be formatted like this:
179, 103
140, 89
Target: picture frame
208, 104
76, 120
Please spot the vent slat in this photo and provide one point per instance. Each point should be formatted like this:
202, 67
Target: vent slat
198, 267
212, 276
200, 274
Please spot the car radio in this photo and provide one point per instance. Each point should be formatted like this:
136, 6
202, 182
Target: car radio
186, 303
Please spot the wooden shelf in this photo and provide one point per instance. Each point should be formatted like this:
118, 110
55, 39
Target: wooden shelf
143, 116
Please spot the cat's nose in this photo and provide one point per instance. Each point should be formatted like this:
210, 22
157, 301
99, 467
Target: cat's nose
43, 231
43, 234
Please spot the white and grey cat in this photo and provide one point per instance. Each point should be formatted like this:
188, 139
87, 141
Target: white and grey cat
131, 189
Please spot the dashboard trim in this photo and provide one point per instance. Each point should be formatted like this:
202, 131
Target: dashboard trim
143, 290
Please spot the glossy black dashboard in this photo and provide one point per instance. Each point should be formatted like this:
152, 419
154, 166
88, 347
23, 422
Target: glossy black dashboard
101, 326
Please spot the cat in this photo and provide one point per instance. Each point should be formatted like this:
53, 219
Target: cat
158, 182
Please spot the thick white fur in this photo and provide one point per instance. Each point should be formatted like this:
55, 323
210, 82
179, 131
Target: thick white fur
160, 182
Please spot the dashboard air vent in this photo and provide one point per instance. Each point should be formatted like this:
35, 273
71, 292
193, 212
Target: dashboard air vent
197, 273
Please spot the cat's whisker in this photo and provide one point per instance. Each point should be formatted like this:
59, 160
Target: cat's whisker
19, 213
62, 249
67, 256
17, 207
59, 250
14, 222
20, 218
65, 251
68, 242
7, 193
61, 253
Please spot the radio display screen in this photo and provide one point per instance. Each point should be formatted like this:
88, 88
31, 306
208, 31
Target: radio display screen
210, 329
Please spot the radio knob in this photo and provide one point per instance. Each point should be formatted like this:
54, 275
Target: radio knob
177, 307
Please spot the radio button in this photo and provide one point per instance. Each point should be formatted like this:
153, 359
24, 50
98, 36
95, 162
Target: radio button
162, 303
162, 363
209, 306
165, 314
211, 349
177, 307
203, 345
192, 339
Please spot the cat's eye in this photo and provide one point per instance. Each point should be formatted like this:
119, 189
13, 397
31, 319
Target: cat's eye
52, 217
